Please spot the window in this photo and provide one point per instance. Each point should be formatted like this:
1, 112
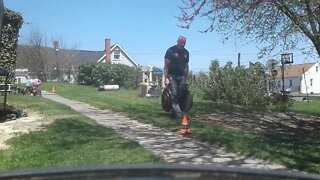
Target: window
290, 82
311, 81
116, 54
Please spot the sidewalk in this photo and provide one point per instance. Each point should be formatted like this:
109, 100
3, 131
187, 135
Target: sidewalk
173, 147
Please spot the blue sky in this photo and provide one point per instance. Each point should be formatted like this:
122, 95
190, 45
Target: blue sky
144, 29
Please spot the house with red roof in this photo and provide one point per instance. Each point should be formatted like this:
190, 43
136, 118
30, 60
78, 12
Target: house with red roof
299, 78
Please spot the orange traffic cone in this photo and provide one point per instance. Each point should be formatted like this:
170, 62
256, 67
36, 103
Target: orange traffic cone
53, 90
185, 127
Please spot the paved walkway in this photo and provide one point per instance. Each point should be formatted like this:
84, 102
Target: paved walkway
173, 147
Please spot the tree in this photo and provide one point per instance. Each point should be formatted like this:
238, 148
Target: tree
34, 55
64, 60
69, 63
11, 24
44, 61
269, 23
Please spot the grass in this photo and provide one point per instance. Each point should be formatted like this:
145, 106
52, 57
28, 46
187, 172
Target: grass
72, 140
311, 108
294, 151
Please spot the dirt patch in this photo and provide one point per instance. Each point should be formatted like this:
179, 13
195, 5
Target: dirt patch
286, 123
33, 122
11, 128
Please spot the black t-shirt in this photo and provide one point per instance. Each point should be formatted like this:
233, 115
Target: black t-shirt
178, 59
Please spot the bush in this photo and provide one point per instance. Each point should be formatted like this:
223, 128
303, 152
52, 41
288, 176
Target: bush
96, 74
281, 102
241, 86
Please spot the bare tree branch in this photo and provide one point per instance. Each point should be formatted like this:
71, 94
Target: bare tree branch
270, 23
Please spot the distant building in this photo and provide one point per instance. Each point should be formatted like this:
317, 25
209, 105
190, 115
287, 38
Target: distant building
115, 54
301, 78
21, 76
151, 81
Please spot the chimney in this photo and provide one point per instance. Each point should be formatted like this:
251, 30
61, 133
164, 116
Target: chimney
56, 46
107, 48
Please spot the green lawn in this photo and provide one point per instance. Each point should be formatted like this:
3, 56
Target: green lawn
299, 152
71, 140
311, 107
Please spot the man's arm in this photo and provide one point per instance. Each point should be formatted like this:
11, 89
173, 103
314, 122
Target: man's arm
166, 68
186, 68
186, 72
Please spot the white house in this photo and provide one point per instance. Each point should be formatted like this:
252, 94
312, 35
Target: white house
301, 78
22, 76
117, 55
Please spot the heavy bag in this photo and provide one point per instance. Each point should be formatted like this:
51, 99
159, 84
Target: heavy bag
185, 101
166, 102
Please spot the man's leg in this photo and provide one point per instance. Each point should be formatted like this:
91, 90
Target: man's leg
181, 87
176, 111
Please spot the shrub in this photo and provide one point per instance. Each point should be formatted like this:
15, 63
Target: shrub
241, 86
96, 74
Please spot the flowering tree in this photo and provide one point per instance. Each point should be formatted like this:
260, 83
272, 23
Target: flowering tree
269, 23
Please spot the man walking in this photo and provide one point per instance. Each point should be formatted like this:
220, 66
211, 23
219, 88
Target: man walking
176, 69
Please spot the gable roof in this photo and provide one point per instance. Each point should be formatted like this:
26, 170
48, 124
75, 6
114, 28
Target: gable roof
294, 70
103, 57
80, 56
85, 55
21, 74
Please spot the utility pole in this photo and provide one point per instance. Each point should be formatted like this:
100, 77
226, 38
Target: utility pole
238, 59
56, 50
282, 70
305, 83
